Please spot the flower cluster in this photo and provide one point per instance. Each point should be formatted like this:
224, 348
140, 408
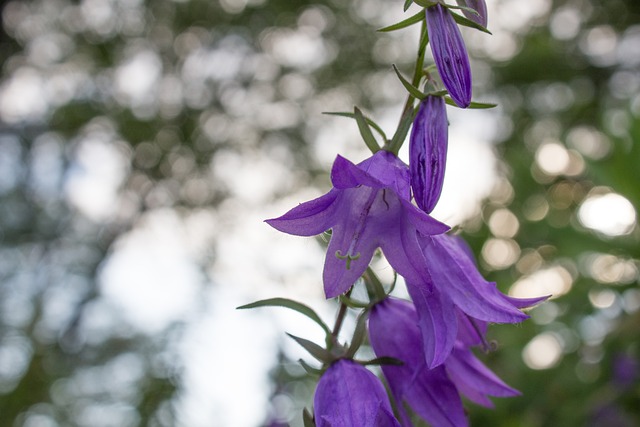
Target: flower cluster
424, 345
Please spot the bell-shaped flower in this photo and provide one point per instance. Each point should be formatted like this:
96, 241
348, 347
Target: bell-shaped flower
480, 6
393, 332
449, 54
349, 395
457, 284
428, 152
369, 207
433, 394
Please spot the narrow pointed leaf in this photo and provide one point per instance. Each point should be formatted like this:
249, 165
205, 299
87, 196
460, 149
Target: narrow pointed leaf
307, 418
414, 91
370, 122
468, 22
383, 361
358, 334
404, 24
314, 349
407, 4
352, 303
365, 131
473, 105
290, 304
310, 369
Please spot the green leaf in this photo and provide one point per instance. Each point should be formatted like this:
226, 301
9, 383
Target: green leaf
461, 20
314, 349
403, 129
365, 131
293, 305
414, 91
358, 334
307, 418
414, 19
407, 4
353, 116
384, 360
473, 105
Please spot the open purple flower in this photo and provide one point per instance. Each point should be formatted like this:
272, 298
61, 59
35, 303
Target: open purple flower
479, 6
449, 54
348, 395
457, 284
369, 207
393, 332
428, 152
434, 394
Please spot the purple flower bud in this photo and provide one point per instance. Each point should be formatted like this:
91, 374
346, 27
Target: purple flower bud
348, 395
449, 54
479, 6
428, 152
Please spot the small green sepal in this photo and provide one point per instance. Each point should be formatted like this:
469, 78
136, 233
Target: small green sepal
314, 349
358, 334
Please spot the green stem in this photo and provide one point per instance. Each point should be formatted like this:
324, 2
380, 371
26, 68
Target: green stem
396, 142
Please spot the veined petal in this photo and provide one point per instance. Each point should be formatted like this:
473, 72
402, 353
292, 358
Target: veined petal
403, 253
425, 224
449, 54
471, 331
525, 302
472, 377
428, 152
479, 6
438, 324
434, 397
310, 218
345, 174
343, 266
454, 273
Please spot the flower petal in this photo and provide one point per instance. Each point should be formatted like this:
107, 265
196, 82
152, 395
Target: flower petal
425, 224
472, 377
345, 174
438, 324
434, 397
310, 218
454, 273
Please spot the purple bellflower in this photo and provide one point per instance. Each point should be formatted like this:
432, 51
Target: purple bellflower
428, 152
349, 395
449, 54
434, 394
393, 332
479, 6
368, 207
457, 283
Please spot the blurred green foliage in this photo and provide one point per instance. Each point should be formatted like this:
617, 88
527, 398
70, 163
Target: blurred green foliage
222, 67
